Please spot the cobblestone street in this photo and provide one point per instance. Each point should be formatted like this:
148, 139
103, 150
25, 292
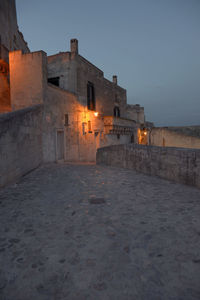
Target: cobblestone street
94, 232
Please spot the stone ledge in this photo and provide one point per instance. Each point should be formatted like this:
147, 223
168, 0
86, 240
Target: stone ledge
176, 164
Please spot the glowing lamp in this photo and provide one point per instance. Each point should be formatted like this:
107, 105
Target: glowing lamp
96, 114
145, 133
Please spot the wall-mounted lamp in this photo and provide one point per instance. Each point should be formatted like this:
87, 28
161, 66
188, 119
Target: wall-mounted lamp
96, 114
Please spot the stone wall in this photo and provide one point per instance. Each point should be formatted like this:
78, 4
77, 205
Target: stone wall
108, 94
4, 87
135, 112
20, 143
61, 65
10, 36
28, 78
74, 73
186, 137
59, 103
10, 39
83, 132
177, 164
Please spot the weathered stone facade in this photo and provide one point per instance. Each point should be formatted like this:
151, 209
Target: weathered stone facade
10, 36
74, 73
27, 78
61, 83
81, 109
85, 133
10, 39
20, 143
135, 112
5, 104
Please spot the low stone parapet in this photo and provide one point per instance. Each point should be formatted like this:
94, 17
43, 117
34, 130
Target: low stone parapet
20, 143
177, 164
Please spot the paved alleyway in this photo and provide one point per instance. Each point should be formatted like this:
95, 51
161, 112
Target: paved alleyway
92, 232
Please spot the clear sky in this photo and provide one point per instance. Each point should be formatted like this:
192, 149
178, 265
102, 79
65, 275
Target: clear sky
152, 45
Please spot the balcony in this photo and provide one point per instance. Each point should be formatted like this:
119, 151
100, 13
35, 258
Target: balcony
113, 125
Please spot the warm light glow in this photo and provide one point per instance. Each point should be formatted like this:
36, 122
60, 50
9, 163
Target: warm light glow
142, 136
96, 114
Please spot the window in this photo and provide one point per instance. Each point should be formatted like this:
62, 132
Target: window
132, 138
116, 111
90, 96
89, 127
54, 80
66, 120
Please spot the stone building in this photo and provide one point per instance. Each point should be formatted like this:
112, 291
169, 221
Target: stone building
10, 39
81, 109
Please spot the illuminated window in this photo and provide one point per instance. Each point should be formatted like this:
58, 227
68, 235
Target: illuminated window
90, 96
54, 80
89, 127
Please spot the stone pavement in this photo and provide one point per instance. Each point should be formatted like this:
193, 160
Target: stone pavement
94, 232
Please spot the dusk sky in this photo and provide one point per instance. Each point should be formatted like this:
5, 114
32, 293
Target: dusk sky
152, 45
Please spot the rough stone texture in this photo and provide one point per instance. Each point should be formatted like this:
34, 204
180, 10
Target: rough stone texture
84, 132
75, 71
186, 137
142, 243
135, 112
10, 36
4, 87
80, 142
20, 143
28, 78
70, 98
186, 130
10, 39
108, 94
180, 165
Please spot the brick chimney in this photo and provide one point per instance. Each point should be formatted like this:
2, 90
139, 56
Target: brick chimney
115, 79
74, 46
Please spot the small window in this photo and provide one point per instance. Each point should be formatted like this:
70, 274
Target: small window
54, 80
116, 111
66, 120
83, 128
90, 96
89, 127
132, 138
